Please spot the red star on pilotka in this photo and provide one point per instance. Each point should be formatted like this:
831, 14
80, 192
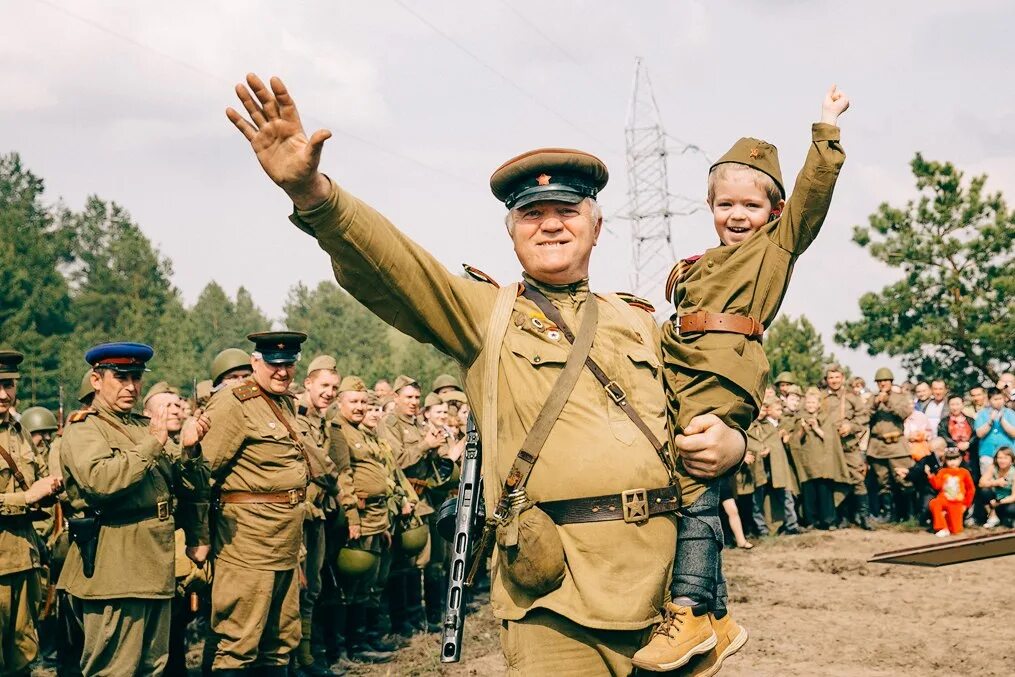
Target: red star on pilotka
755, 153
543, 179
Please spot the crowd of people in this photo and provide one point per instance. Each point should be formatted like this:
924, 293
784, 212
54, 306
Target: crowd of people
838, 454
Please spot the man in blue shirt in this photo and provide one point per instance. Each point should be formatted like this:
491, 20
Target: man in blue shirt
995, 426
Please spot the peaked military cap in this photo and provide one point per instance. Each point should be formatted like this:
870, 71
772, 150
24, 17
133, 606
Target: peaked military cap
403, 381
756, 154
159, 388
278, 347
9, 361
445, 381
322, 362
560, 174
125, 357
352, 383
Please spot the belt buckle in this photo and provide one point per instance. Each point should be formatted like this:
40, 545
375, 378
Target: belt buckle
635, 504
163, 510
294, 496
615, 391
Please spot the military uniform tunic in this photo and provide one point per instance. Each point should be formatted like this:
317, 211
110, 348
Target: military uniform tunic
19, 551
255, 589
616, 572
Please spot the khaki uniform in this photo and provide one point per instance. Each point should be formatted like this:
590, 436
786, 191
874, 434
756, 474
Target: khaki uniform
842, 406
888, 448
255, 588
782, 484
20, 591
616, 572
116, 467
752, 477
821, 468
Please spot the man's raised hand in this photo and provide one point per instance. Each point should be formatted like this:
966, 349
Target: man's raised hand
276, 134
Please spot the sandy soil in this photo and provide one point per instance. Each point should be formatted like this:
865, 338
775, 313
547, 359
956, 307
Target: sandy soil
814, 606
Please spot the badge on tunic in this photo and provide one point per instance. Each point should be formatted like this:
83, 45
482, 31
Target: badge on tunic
271, 424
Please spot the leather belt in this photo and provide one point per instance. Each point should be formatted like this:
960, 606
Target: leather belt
290, 497
163, 510
701, 322
632, 506
419, 486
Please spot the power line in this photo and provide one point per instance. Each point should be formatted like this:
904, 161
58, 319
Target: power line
220, 80
514, 85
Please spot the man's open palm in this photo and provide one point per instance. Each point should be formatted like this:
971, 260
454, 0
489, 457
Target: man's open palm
276, 134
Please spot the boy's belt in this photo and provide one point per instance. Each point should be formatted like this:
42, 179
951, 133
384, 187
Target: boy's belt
701, 322
633, 505
290, 497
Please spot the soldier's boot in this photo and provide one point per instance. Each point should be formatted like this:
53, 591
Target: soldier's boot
304, 662
376, 637
684, 633
359, 648
415, 610
730, 638
435, 592
863, 513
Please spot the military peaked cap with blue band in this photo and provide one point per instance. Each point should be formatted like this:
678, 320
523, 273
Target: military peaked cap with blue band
278, 347
122, 357
9, 361
559, 174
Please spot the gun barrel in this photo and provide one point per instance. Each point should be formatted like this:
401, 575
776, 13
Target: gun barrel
469, 496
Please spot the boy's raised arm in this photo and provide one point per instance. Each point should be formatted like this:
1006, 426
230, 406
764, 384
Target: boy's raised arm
812, 193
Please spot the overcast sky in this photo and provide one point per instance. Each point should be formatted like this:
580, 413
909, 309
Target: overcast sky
125, 100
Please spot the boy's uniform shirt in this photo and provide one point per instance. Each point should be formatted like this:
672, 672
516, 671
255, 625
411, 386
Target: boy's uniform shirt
816, 458
753, 476
747, 279
780, 473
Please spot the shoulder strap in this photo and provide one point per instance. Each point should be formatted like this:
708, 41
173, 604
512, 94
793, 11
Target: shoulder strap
496, 330
15, 470
554, 404
613, 388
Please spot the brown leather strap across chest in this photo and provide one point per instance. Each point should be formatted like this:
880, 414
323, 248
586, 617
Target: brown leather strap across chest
702, 322
290, 497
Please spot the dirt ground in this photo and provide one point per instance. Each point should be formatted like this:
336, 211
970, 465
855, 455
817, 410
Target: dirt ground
814, 606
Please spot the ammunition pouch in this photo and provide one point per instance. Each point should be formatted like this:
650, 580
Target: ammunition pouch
84, 532
530, 552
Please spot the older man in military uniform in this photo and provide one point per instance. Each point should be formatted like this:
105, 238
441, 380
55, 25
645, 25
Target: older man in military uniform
888, 450
320, 388
120, 567
602, 465
850, 417
24, 487
260, 473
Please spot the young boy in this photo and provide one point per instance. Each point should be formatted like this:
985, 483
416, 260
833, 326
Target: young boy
820, 463
955, 494
714, 362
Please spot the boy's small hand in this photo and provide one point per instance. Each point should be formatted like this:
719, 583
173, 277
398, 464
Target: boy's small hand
835, 104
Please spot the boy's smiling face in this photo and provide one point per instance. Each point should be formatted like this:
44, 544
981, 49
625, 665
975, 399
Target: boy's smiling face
740, 206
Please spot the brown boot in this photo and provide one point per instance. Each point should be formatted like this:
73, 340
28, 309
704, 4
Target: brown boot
731, 638
679, 638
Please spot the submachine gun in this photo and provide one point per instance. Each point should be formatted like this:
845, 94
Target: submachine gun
458, 520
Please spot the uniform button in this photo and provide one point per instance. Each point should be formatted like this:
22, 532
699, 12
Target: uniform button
711, 263
537, 359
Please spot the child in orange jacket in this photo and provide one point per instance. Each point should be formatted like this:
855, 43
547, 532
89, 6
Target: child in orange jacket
955, 494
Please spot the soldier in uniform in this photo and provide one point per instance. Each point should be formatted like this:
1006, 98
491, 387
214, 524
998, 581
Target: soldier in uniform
888, 450
41, 425
260, 473
415, 451
120, 569
367, 487
230, 366
24, 489
783, 382
782, 485
382, 388
602, 465
320, 389
849, 415
445, 383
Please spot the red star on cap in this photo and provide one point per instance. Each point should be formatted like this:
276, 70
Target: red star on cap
543, 179
755, 153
